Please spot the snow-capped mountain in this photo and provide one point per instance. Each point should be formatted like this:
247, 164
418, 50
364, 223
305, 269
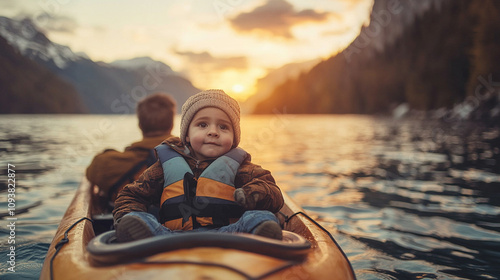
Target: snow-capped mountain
27, 87
104, 88
33, 44
138, 63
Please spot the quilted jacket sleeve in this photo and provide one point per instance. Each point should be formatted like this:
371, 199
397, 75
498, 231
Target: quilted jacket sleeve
139, 195
260, 188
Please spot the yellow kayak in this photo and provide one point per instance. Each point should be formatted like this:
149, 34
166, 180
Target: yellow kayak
83, 248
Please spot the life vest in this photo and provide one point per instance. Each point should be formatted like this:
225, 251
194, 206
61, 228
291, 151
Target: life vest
207, 201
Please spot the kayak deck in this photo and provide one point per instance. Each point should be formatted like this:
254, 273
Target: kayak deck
243, 256
104, 250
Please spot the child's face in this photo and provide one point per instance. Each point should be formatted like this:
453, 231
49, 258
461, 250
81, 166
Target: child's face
210, 133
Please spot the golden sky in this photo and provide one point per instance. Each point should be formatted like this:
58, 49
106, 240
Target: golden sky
224, 44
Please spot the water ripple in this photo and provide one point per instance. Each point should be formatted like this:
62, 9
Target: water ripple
406, 199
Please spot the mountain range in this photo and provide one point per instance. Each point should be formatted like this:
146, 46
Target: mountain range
424, 54
274, 77
29, 88
413, 55
101, 88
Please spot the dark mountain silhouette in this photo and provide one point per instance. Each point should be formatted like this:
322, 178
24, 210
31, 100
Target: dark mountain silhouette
108, 89
275, 77
26, 87
437, 57
103, 88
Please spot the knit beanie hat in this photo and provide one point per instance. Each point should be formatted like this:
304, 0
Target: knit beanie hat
211, 98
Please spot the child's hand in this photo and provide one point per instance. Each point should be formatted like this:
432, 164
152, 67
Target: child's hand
248, 202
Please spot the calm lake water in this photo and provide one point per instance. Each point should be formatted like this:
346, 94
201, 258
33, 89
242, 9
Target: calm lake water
405, 199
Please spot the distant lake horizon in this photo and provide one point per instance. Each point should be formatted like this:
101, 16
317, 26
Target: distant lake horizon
404, 198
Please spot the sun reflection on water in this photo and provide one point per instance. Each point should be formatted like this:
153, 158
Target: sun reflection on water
401, 198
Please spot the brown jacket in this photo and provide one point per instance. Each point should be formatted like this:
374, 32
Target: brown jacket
259, 186
108, 167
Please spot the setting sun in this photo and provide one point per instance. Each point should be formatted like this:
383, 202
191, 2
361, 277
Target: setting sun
238, 88
241, 92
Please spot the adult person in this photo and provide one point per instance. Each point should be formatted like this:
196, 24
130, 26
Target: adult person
111, 170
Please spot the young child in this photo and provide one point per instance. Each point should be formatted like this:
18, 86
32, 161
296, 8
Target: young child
202, 180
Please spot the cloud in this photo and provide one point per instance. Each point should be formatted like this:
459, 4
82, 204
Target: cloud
51, 22
208, 71
206, 60
350, 4
46, 21
8, 4
338, 32
58, 23
276, 18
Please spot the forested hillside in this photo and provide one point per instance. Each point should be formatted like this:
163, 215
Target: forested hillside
444, 55
29, 88
102, 88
